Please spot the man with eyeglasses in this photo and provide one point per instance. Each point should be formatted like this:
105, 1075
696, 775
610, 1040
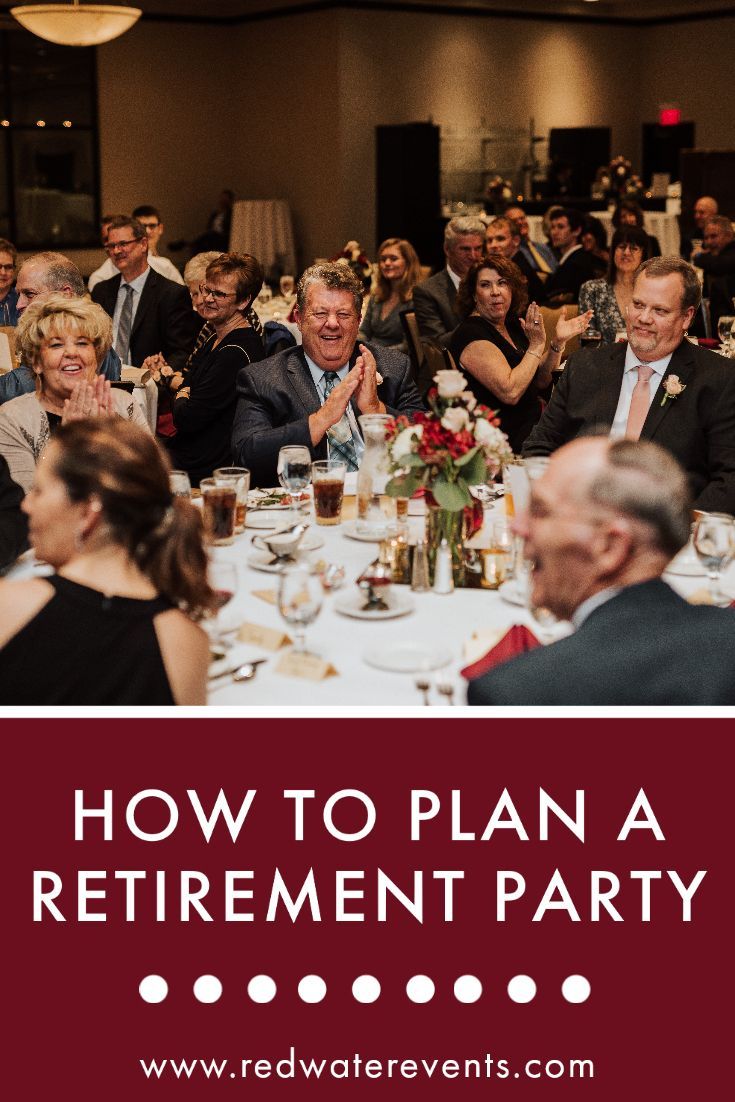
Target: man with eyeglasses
40, 276
313, 395
151, 315
151, 219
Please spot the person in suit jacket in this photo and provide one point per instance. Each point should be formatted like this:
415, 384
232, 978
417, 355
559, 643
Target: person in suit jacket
434, 300
150, 314
576, 265
717, 261
314, 394
659, 387
604, 520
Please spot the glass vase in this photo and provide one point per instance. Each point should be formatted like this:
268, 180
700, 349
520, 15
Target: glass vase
441, 524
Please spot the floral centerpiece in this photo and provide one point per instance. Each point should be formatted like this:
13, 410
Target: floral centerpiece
454, 445
353, 256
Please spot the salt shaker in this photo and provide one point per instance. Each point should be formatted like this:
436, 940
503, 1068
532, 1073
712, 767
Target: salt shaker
420, 568
443, 577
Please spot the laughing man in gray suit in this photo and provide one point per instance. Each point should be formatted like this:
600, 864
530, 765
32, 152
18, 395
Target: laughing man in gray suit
314, 394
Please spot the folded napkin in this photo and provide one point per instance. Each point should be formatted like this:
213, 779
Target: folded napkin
516, 640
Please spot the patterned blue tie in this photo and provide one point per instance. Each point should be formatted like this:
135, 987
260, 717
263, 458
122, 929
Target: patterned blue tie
342, 444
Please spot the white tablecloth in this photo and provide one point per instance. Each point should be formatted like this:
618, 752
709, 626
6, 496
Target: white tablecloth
263, 227
147, 398
663, 226
278, 309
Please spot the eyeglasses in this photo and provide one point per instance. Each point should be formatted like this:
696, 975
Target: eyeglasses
218, 296
628, 248
122, 244
7, 267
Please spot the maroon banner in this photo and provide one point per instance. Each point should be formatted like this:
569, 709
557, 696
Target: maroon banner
403, 909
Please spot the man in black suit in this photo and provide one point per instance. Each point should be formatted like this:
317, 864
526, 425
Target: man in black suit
435, 300
150, 314
13, 523
502, 237
576, 265
604, 520
659, 387
717, 261
313, 395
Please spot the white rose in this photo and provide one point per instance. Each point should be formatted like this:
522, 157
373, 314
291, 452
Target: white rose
469, 399
489, 435
449, 383
404, 440
455, 418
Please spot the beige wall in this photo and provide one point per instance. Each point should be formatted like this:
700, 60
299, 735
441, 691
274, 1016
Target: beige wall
287, 108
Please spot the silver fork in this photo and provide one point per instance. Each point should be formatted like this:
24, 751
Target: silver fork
423, 685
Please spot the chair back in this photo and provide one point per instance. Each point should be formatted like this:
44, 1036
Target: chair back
550, 314
413, 340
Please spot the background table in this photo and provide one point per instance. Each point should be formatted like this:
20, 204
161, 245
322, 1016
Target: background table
263, 228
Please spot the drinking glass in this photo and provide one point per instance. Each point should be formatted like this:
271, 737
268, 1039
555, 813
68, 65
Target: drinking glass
591, 338
294, 470
714, 542
223, 580
264, 295
725, 330
286, 286
328, 477
219, 505
239, 478
300, 597
180, 484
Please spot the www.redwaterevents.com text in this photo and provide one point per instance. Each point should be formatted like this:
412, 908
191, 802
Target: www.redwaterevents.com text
357, 1066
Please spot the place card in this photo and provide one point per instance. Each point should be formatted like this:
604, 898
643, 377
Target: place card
480, 642
268, 595
308, 666
259, 636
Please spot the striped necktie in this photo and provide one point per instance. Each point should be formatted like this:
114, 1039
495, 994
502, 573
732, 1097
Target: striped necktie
342, 444
544, 271
125, 325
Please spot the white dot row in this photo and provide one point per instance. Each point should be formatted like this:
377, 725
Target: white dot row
365, 989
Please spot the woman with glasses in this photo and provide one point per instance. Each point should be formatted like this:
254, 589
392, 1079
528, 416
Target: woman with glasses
610, 297
205, 407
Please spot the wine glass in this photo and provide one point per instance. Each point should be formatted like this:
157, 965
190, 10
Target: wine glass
223, 580
300, 597
286, 286
725, 331
264, 295
294, 470
714, 542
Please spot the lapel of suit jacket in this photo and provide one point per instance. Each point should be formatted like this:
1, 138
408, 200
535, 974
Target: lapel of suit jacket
301, 381
610, 381
682, 364
109, 294
147, 296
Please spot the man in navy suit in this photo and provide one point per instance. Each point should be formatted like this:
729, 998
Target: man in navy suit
435, 300
314, 394
150, 314
604, 520
658, 387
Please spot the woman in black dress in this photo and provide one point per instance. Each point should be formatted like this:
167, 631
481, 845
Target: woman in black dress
501, 353
205, 407
115, 623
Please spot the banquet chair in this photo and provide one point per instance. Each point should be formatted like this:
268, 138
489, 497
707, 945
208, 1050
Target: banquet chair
550, 314
413, 340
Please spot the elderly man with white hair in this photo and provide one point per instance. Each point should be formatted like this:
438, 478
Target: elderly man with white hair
604, 520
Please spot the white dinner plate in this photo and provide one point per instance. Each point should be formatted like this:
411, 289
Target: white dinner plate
263, 560
407, 657
512, 593
352, 604
349, 529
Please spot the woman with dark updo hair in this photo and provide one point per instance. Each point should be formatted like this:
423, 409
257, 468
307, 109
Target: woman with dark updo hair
115, 623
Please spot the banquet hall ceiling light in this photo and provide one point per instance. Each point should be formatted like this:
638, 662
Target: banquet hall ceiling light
76, 24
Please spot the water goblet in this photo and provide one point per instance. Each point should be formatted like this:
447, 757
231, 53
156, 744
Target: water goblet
223, 580
286, 286
714, 542
294, 470
300, 598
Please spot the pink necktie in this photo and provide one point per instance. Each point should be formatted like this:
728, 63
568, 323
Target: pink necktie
639, 403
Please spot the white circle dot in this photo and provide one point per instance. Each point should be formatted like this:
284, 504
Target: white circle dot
366, 989
207, 989
420, 989
153, 989
521, 989
262, 989
576, 989
467, 989
312, 989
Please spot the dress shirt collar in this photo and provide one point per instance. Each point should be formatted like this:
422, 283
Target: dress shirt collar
568, 253
456, 280
138, 283
657, 366
587, 607
317, 374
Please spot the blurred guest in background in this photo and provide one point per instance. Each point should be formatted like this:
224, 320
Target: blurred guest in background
704, 208
154, 229
629, 213
40, 276
576, 265
610, 297
205, 407
594, 240
717, 261
399, 271
8, 294
503, 239
435, 300
64, 340
539, 254
114, 623
502, 354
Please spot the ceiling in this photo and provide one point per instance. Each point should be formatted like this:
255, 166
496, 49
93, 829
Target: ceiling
627, 9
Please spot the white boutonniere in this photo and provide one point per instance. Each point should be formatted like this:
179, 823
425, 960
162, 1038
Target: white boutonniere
673, 387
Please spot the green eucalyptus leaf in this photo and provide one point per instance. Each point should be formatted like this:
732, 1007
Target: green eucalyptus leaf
467, 457
452, 496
